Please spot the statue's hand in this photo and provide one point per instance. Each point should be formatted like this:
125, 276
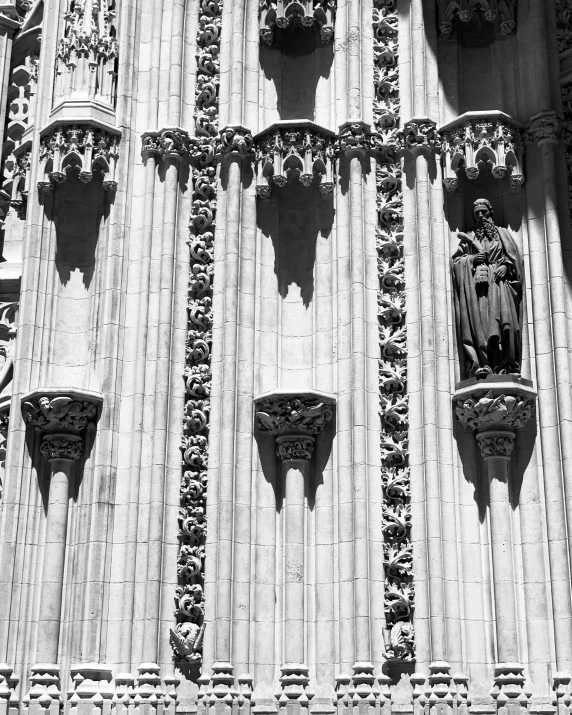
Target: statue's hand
480, 259
500, 273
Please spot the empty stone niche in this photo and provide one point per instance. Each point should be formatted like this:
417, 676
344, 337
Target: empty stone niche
296, 60
478, 57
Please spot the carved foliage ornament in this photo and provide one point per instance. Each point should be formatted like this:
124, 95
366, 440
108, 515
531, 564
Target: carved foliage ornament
288, 153
465, 10
283, 415
187, 633
60, 414
83, 147
476, 144
564, 24
286, 14
510, 412
394, 402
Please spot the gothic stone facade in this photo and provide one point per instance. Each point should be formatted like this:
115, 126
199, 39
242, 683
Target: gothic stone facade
286, 357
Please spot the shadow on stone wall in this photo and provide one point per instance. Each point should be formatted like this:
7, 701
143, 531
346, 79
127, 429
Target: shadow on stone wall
272, 465
76, 209
294, 218
475, 471
296, 73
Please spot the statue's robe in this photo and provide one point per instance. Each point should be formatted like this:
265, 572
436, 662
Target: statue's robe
489, 313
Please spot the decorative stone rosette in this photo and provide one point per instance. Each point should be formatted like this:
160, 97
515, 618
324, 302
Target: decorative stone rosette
496, 414
477, 142
202, 152
465, 10
394, 404
296, 150
295, 420
63, 417
81, 146
285, 14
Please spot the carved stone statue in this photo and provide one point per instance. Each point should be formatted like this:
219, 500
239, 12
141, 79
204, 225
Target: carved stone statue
487, 283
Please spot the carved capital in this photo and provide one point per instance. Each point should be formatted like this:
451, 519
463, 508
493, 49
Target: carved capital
287, 414
495, 412
235, 140
354, 137
420, 135
290, 447
496, 443
62, 417
545, 128
482, 141
169, 143
61, 446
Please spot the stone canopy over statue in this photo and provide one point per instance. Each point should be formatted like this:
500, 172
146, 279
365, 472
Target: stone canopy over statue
487, 284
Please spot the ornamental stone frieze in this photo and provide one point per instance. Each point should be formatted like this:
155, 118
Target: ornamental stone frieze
465, 10
295, 150
62, 417
482, 141
295, 420
84, 147
288, 14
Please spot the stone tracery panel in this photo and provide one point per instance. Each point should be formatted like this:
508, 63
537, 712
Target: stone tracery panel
394, 407
189, 613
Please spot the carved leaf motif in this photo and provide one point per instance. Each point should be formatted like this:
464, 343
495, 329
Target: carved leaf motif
394, 407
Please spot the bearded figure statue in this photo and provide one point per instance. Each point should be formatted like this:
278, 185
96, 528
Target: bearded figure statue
487, 284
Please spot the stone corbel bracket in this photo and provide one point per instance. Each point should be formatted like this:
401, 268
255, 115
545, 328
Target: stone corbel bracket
464, 11
286, 14
294, 419
89, 147
295, 150
477, 141
63, 416
495, 408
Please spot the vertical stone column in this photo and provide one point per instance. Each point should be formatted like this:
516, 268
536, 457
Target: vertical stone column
295, 421
549, 286
62, 417
496, 410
